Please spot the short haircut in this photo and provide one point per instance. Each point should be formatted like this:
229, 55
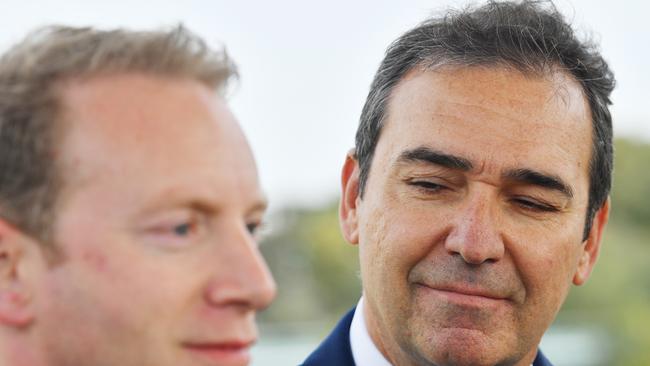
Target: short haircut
31, 73
529, 36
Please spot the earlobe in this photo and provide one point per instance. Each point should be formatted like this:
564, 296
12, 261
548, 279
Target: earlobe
349, 197
15, 301
591, 247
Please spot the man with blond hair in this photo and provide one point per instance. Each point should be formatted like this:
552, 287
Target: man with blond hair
129, 202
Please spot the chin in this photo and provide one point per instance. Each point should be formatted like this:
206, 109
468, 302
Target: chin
467, 347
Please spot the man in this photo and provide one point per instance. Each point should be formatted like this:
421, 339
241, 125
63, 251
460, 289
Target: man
129, 201
477, 191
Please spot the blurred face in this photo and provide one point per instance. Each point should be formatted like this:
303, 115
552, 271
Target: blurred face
470, 228
156, 227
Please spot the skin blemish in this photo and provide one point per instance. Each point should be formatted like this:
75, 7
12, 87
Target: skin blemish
95, 259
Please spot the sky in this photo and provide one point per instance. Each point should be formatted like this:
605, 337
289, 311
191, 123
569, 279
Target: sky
306, 67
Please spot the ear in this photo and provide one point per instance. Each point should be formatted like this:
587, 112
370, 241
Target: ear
349, 198
15, 299
591, 246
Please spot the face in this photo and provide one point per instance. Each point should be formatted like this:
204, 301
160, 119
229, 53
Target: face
470, 227
155, 225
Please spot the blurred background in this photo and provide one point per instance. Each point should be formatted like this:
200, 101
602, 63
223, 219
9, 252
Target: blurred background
306, 68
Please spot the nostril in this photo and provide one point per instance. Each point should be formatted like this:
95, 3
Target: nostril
475, 250
474, 257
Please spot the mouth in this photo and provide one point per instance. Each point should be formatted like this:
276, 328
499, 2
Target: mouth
229, 353
464, 296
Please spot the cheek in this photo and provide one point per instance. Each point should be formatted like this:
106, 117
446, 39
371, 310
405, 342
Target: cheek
89, 290
103, 287
392, 241
74, 313
130, 271
96, 261
547, 275
546, 252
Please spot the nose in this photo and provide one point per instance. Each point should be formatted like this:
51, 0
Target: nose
475, 235
241, 276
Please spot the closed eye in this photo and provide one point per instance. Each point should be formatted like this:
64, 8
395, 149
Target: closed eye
533, 205
427, 185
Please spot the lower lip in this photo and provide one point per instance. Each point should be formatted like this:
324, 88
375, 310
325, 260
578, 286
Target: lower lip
223, 355
461, 299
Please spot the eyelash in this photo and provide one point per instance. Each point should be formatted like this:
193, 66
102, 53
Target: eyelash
524, 203
427, 185
534, 206
186, 228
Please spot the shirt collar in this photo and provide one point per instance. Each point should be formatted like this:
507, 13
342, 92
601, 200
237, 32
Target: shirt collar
364, 351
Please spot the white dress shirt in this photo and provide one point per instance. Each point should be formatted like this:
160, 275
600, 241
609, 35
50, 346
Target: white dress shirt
364, 351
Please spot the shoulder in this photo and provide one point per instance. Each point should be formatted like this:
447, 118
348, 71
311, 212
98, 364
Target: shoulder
335, 349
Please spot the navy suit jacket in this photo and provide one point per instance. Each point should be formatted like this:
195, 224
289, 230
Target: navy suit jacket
335, 349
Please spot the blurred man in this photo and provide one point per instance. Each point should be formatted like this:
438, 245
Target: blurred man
129, 201
477, 191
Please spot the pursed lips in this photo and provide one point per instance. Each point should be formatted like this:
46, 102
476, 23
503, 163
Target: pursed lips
466, 295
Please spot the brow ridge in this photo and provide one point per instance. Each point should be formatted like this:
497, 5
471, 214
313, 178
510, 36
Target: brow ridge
519, 175
425, 154
544, 180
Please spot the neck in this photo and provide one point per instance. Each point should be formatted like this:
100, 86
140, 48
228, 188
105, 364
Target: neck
372, 326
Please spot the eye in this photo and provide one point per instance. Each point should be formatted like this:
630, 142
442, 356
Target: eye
176, 230
185, 229
252, 227
428, 186
256, 228
533, 205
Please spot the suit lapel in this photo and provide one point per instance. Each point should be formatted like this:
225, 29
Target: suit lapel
335, 349
541, 360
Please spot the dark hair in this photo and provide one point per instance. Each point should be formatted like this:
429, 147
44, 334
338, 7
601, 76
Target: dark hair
529, 36
31, 73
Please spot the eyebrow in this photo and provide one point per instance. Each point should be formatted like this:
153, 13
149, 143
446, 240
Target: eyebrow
424, 154
543, 180
261, 205
523, 175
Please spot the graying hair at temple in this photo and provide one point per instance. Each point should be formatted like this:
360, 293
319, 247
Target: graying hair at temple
529, 36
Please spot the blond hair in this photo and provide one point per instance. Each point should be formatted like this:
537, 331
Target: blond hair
29, 103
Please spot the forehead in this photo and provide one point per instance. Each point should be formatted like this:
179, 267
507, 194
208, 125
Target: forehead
146, 134
494, 116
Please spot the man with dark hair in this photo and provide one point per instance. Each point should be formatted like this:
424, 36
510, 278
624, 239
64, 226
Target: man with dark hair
477, 191
129, 201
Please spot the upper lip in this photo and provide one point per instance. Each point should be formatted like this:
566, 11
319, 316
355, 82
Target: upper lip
469, 291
